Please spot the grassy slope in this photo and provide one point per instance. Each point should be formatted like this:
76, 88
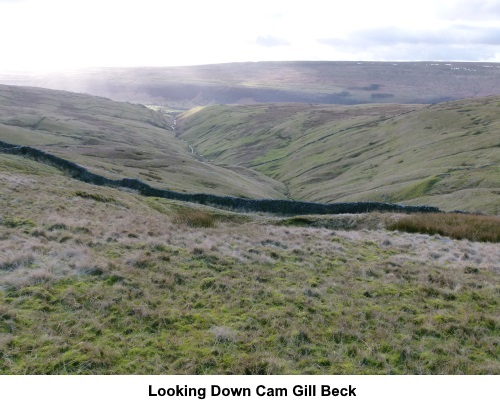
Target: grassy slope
318, 82
97, 280
446, 154
118, 140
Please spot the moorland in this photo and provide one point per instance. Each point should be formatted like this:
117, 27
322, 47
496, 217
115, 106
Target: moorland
273, 82
105, 280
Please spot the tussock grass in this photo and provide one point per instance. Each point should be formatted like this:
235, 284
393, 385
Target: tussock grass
15, 222
457, 226
346, 222
95, 197
140, 290
194, 218
15, 261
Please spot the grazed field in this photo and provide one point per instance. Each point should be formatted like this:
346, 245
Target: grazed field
97, 280
446, 155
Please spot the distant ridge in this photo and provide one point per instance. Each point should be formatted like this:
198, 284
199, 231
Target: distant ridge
263, 82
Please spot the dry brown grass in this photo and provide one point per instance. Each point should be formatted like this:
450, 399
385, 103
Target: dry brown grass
194, 218
457, 226
148, 291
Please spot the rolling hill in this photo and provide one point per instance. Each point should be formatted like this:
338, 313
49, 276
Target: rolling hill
447, 155
118, 140
102, 280
263, 82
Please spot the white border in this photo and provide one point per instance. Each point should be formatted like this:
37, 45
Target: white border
134, 390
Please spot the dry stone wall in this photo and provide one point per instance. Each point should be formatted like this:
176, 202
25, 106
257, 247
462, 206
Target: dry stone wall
284, 207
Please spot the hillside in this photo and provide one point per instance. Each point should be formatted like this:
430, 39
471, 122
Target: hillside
97, 280
444, 155
304, 82
106, 280
118, 140
447, 155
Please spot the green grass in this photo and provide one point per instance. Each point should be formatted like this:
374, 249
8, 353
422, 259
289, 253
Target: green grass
145, 287
95, 196
119, 140
412, 154
416, 189
14, 222
97, 280
390, 153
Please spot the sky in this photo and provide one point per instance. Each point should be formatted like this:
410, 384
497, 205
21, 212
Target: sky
61, 34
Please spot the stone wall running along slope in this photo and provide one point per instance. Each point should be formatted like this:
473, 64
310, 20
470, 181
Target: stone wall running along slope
284, 207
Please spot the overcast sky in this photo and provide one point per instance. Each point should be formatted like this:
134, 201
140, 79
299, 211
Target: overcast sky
51, 34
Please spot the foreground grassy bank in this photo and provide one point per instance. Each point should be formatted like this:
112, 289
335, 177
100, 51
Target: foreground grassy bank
97, 280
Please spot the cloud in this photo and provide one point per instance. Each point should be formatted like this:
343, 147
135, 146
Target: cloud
80, 33
454, 35
270, 41
416, 52
441, 52
447, 29
466, 10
